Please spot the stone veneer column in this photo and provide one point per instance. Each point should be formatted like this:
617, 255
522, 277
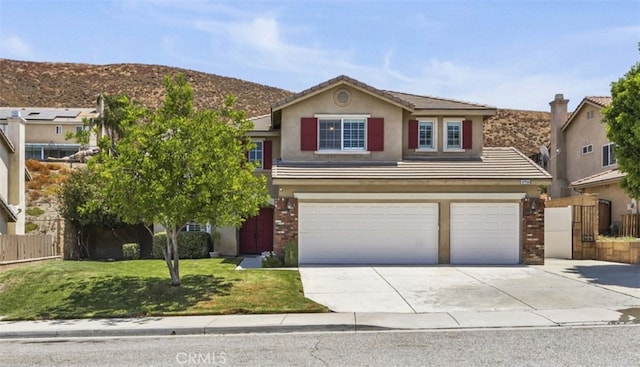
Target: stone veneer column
285, 224
533, 231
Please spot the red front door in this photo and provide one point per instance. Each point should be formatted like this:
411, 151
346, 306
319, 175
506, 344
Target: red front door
256, 234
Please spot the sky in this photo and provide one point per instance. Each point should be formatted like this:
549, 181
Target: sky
508, 54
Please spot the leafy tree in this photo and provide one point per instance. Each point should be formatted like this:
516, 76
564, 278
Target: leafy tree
184, 165
623, 127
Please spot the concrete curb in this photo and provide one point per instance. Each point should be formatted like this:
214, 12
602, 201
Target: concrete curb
308, 323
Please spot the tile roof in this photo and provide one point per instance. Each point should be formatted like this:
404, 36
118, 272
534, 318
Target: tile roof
495, 163
431, 103
602, 178
409, 101
261, 123
602, 100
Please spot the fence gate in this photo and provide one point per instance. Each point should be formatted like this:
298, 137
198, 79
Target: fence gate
584, 216
557, 233
604, 216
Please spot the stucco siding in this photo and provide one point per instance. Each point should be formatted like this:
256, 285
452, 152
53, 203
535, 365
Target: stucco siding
323, 103
582, 132
612, 192
477, 139
46, 133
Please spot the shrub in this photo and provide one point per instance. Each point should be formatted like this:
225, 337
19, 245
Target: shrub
291, 254
29, 227
131, 251
270, 260
191, 245
35, 211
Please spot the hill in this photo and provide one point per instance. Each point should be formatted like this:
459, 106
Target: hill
43, 84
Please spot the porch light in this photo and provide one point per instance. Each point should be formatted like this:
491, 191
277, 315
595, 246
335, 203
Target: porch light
289, 205
534, 207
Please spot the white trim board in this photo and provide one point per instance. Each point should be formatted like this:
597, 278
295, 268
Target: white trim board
410, 196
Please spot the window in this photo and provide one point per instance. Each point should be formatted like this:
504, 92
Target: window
256, 154
608, 154
192, 227
587, 149
589, 115
348, 133
81, 128
426, 135
453, 135
58, 130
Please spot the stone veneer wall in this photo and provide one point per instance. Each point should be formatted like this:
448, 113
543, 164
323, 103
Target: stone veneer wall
533, 232
285, 224
618, 251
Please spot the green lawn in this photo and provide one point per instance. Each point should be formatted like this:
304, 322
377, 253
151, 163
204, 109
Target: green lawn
87, 289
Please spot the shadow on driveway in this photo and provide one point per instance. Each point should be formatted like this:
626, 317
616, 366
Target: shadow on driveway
622, 275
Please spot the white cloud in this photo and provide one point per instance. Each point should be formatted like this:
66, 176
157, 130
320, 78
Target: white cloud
14, 47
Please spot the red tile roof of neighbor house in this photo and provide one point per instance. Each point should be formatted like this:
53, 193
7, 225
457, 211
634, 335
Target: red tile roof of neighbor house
602, 178
602, 101
495, 163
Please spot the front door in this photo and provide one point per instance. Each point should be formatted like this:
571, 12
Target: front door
256, 234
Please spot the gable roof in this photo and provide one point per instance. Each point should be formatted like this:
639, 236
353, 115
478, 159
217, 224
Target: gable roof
599, 179
595, 101
410, 102
339, 80
495, 163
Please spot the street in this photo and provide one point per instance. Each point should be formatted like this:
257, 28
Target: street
557, 346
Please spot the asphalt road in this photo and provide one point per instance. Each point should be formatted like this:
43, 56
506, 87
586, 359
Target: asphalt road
588, 346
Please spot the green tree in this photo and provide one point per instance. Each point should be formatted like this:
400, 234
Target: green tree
622, 117
184, 165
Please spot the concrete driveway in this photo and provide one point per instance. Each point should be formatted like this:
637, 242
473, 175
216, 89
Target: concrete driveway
557, 285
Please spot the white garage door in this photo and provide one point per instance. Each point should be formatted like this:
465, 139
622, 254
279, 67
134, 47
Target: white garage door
485, 233
368, 233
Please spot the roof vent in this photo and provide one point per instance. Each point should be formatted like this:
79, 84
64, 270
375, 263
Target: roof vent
342, 97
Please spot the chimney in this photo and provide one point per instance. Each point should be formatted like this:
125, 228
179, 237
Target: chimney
558, 162
16, 193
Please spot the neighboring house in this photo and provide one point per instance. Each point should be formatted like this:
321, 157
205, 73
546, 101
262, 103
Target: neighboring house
583, 158
46, 130
12, 175
360, 175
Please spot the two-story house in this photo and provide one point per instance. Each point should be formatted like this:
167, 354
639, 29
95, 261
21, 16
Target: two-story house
583, 159
46, 129
12, 176
360, 175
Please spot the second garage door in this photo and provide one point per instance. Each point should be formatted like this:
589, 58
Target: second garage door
485, 233
368, 233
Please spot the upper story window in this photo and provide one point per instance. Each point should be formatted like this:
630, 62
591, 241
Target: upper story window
453, 135
589, 115
587, 149
608, 154
427, 135
58, 130
261, 154
342, 133
257, 153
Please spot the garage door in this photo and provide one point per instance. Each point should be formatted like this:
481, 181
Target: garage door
368, 233
485, 233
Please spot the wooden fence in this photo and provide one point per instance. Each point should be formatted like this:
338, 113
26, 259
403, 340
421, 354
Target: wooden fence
630, 225
25, 247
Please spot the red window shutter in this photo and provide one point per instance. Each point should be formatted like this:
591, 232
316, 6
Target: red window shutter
375, 134
308, 133
467, 134
413, 134
266, 154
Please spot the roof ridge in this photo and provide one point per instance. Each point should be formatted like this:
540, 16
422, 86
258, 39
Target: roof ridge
443, 99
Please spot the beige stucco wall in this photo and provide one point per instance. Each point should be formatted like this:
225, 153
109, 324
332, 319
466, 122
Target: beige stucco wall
581, 132
4, 182
323, 103
619, 199
46, 132
477, 139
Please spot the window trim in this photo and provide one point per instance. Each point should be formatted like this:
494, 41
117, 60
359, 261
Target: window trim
58, 130
611, 152
342, 117
434, 134
445, 143
587, 149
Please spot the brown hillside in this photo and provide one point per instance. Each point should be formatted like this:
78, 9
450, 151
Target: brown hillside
38, 84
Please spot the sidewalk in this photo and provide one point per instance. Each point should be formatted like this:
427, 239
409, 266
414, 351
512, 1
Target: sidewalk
333, 322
